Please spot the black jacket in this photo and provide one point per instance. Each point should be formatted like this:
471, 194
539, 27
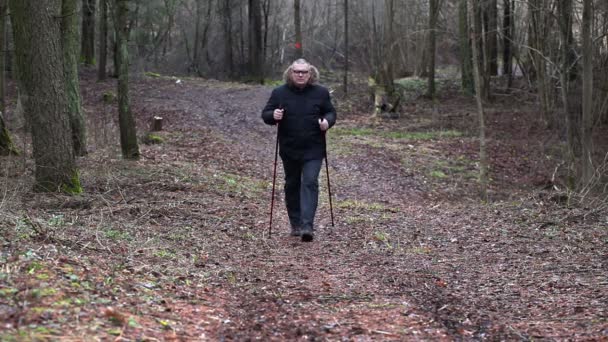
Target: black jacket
300, 137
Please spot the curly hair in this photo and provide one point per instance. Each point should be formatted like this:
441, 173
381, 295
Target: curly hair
314, 72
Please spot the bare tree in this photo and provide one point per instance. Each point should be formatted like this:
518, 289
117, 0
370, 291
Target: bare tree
346, 48
87, 51
227, 27
483, 163
69, 40
103, 40
507, 57
297, 21
256, 66
128, 130
433, 14
587, 122
466, 66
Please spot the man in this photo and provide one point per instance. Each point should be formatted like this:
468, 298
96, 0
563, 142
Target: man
304, 112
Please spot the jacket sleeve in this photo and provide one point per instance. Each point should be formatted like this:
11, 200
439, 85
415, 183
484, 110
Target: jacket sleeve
271, 105
329, 112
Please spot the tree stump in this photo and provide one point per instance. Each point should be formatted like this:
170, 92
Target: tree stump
157, 124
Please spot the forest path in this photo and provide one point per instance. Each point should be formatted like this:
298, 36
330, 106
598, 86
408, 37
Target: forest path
334, 286
175, 246
412, 255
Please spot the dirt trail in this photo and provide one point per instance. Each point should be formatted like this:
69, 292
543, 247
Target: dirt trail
175, 246
399, 264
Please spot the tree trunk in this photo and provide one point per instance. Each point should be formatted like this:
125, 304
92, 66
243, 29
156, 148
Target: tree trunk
468, 85
483, 162
298, 28
491, 36
476, 23
69, 37
507, 63
587, 122
3, 41
255, 41
6, 143
345, 48
128, 131
87, 52
568, 76
537, 42
103, 40
197, 38
39, 59
433, 13
227, 25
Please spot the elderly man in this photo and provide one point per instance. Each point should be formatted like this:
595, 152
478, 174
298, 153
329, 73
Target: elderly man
303, 111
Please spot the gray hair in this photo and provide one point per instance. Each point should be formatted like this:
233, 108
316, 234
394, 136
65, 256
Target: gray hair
314, 72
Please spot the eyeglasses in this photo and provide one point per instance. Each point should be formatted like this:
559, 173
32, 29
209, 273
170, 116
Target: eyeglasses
300, 72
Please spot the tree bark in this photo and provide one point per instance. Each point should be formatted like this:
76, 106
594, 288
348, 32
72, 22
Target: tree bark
255, 41
346, 48
6, 143
491, 36
587, 122
87, 49
39, 59
433, 13
128, 131
507, 33
227, 26
483, 162
69, 37
103, 40
3, 41
537, 42
297, 20
468, 85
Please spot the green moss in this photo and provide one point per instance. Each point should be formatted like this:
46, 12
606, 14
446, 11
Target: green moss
397, 135
274, 83
151, 139
73, 187
109, 97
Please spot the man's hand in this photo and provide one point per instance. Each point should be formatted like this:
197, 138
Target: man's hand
278, 114
323, 124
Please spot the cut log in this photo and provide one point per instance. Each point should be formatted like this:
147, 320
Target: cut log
157, 124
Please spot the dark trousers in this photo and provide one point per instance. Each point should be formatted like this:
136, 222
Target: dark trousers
302, 190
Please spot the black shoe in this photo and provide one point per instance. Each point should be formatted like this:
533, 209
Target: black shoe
307, 234
295, 231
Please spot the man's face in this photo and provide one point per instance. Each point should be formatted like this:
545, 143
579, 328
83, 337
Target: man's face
300, 74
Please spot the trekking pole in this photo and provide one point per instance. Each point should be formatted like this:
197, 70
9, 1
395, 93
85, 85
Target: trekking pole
331, 209
274, 179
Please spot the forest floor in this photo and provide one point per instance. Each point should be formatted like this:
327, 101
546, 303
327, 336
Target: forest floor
176, 246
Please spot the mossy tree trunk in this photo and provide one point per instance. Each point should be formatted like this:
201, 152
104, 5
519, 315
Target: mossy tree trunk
6, 143
39, 59
87, 50
128, 130
69, 37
